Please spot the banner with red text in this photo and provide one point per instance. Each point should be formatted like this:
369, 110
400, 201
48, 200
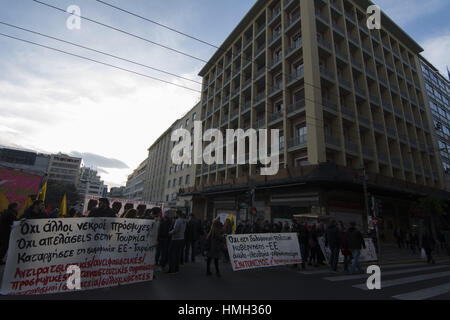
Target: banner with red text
108, 252
249, 251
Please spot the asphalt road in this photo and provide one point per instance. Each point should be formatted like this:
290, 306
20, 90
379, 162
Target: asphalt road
402, 281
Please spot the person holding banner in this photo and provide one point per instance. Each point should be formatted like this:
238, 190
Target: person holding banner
176, 243
36, 211
6, 221
214, 244
103, 210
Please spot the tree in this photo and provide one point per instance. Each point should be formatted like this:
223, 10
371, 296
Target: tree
56, 191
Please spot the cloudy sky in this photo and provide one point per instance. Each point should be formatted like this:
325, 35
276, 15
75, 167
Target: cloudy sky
51, 102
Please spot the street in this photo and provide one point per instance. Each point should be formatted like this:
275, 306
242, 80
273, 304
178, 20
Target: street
413, 281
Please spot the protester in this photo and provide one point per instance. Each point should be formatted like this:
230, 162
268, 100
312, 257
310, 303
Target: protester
303, 238
103, 210
399, 236
256, 227
130, 214
162, 249
344, 246
36, 211
176, 243
240, 227
267, 227
215, 243
71, 214
6, 221
192, 237
286, 227
414, 241
355, 243
313, 245
247, 227
428, 244
333, 241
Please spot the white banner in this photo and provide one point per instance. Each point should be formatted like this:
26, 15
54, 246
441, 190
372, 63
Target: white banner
249, 251
107, 251
367, 254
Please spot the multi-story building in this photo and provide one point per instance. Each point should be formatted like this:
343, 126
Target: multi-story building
182, 176
64, 168
347, 101
438, 91
117, 192
134, 189
158, 155
32, 162
90, 183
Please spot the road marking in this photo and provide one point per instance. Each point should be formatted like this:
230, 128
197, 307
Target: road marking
402, 271
424, 293
391, 283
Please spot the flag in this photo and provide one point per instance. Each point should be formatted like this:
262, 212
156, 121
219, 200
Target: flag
42, 192
27, 204
4, 202
49, 209
233, 223
63, 208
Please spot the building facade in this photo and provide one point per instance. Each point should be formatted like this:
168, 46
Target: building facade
64, 168
32, 162
134, 189
117, 192
182, 176
90, 183
438, 91
349, 104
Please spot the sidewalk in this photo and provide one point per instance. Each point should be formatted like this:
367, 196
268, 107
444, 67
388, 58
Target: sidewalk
390, 253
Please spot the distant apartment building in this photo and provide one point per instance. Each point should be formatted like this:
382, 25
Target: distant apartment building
64, 168
347, 101
90, 183
438, 91
28, 161
155, 180
134, 189
181, 176
117, 192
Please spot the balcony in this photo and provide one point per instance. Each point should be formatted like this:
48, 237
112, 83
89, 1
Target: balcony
398, 112
371, 74
383, 81
348, 112
328, 105
275, 88
378, 57
413, 142
295, 45
356, 64
404, 95
260, 29
366, 49
339, 29
383, 157
418, 169
297, 142
216, 107
295, 108
248, 42
275, 14
274, 36
353, 40
390, 132
260, 97
341, 54
260, 50
275, 61
394, 88
387, 106
378, 126
360, 91
336, 7
246, 106
407, 165
367, 153
234, 114
333, 141
364, 121
321, 17
275, 117
292, 20
326, 73
235, 92
345, 83
385, 44
389, 65
374, 99
295, 75
260, 72
224, 120
324, 43
402, 137
395, 162
363, 27
247, 83
408, 118
350, 17
261, 123
351, 147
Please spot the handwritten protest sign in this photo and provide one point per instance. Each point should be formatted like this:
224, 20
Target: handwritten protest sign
108, 252
249, 251
367, 254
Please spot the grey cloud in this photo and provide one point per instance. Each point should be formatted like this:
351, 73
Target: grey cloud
95, 160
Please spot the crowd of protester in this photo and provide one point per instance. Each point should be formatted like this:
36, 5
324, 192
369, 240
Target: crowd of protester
182, 238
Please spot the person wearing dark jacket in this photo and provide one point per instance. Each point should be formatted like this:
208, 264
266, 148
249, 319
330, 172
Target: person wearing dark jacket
355, 244
162, 249
192, 237
6, 221
177, 242
333, 241
103, 210
36, 211
428, 244
303, 237
344, 246
215, 242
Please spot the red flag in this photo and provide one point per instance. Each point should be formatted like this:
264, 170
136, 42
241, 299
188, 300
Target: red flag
49, 209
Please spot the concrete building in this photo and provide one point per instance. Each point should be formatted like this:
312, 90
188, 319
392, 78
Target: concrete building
350, 104
438, 91
180, 177
156, 173
117, 192
90, 183
64, 168
134, 189
28, 161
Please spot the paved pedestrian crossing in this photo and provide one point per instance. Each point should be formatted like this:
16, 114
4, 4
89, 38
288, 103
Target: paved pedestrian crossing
408, 281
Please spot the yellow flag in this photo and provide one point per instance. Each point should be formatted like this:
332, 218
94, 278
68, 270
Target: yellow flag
233, 223
27, 204
42, 192
63, 208
4, 202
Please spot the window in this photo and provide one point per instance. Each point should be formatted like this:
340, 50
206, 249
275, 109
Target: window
168, 184
281, 142
194, 116
278, 107
188, 179
187, 122
174, 182
300, 131
180, 181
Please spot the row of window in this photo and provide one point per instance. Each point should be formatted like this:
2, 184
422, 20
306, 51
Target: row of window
180, 181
